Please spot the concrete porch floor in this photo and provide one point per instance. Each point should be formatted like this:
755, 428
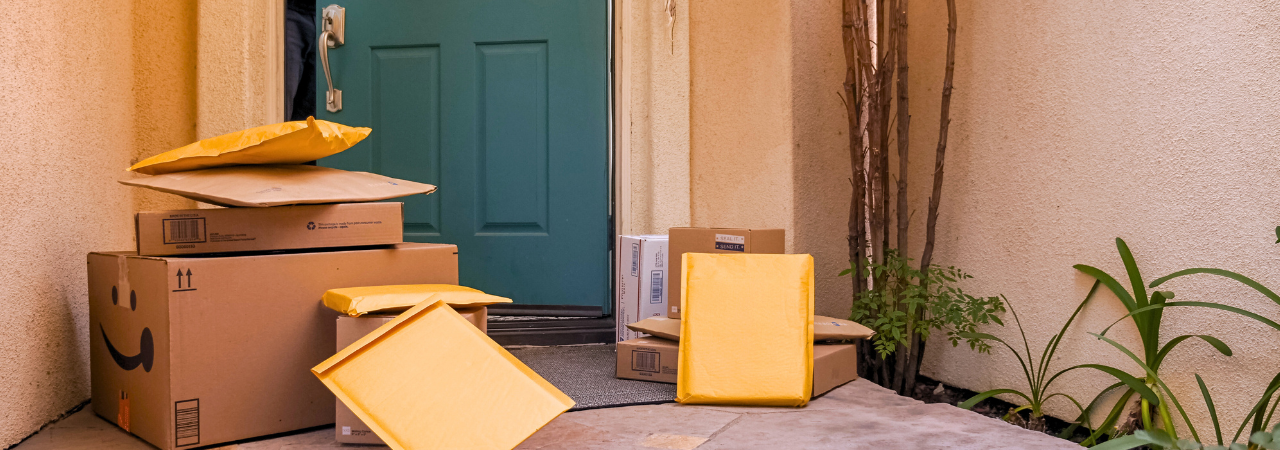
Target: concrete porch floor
858, 415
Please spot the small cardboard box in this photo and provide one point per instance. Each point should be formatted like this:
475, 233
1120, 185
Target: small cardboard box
642, 281
715, 240
348, 427
188, 352
225, 230
654, 359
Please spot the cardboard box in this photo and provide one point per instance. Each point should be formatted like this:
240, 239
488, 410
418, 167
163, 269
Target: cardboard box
715, 240
642, 281
349, 429
654, 359
188, 352
225, 230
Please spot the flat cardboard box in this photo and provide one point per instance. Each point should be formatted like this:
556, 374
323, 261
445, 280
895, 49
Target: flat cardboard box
715, 240
188, 352
226, 230
642, 281
349, 429
654, 359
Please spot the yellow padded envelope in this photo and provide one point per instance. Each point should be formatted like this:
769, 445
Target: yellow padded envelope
431, 380
357, 301
724, 294
280, 143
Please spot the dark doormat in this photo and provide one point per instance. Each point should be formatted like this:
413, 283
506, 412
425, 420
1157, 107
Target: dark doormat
586, 374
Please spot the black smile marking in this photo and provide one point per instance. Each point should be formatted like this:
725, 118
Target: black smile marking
145, 356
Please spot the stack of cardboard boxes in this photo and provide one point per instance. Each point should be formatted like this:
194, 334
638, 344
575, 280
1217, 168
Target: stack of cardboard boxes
654, 358
208, 331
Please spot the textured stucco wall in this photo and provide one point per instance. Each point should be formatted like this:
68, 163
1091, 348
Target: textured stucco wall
1077, 122
820, 152
238, 86
659, 114
740, 136
78, 109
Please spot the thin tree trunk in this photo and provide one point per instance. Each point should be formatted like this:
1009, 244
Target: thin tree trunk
944, 123
904, 124
854, 33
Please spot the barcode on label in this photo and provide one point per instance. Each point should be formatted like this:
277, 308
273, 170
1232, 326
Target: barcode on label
655, 288
642, 361
635, 259
183, 231
186, 422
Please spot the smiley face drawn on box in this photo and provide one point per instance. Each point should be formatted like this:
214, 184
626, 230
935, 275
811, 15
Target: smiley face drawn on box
146, 343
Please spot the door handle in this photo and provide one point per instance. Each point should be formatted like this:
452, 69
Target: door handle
333, 23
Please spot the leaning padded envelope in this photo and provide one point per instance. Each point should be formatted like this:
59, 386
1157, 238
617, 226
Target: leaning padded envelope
280, 184
724, 294
280, 143
357, 301
431, 380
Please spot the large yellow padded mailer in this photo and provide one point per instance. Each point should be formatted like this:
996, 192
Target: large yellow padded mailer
357, 301
430, 380
723, 294
281, 143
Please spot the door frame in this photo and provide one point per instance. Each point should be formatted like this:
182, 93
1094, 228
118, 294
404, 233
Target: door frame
618, 105
618, 101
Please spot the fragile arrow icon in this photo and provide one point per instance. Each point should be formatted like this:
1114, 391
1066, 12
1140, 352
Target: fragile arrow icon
188, 278
180, 279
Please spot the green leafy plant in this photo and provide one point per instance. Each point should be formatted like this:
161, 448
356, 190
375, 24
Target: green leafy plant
1146, 312
1260, 440
906, 306
1039, 380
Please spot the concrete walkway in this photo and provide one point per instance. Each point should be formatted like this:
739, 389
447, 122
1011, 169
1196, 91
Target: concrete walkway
858, 415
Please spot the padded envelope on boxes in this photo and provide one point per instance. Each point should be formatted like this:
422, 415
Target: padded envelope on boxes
724, 294
429, 379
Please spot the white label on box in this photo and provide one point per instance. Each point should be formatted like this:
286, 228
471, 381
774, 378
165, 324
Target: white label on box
655, 288
731, 242
635, 259
346, 431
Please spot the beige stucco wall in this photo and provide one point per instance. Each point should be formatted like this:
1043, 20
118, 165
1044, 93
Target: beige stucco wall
768, 139
657, 110
79, 108
1077, 122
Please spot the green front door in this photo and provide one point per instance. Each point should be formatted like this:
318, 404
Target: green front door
502, 104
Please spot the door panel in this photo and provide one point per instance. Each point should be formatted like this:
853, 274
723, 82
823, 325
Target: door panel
502, 104
513, 138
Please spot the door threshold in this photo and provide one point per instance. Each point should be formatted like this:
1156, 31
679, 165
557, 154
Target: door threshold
541, 330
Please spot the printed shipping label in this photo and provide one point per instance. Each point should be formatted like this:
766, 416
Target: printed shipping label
635, 259
655, 288
186, 423
183, 231
643, 361
731, 243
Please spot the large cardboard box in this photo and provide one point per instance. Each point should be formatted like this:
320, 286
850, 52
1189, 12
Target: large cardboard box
224, 230
349, 429
654, 359
715, 240
642, 281
188, 352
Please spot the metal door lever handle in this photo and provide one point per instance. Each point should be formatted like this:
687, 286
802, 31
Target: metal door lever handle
334, 18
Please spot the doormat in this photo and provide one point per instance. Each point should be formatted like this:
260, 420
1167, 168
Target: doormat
586, 374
